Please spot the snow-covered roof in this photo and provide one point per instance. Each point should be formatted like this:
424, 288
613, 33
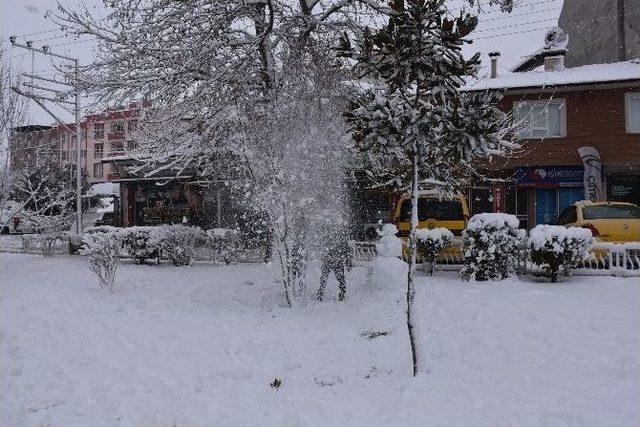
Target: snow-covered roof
595, 73
104, 188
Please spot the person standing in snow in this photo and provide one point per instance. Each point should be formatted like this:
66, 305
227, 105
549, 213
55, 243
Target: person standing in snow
336, 257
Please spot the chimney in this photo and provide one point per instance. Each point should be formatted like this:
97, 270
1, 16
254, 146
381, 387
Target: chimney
554, 62
494, 63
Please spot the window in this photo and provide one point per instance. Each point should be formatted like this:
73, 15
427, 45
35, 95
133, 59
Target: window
97, 170
116, 127
98, 131
611, 212
116, 147
98, 151
132, 125
568, 216
433, 209
131, 145
633, 112
541, 119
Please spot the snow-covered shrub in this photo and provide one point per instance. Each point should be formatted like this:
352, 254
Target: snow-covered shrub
225, 244
178, 242
139, 244
559, 249
491, 243
432, 242
102, 249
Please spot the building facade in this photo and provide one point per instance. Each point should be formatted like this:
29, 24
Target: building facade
559, 111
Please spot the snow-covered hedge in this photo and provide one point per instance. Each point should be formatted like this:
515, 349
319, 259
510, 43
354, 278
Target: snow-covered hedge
140, 243
559, 249
225, 244
102, 249
178, 242
491, 243
432, 242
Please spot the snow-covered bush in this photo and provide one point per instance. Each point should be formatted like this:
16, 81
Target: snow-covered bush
139, 243
559, 249
431, 243
102, 249
491, 243
224, 243
178, 242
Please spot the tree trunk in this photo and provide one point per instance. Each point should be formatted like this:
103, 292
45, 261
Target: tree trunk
411, 290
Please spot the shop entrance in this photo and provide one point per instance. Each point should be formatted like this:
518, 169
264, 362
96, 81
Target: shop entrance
546, 206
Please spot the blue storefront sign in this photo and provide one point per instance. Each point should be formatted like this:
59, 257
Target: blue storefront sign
549, 175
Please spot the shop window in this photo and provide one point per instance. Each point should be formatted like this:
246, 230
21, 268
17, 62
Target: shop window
481, 200
540, 119
98, 131
633, 112
510, 201
523, 201
624, 188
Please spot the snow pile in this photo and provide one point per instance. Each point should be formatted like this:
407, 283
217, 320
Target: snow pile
432, 242
559, 249
491, 243
388, 270
102, 249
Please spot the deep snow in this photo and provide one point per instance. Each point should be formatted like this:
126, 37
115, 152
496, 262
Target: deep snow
198, 346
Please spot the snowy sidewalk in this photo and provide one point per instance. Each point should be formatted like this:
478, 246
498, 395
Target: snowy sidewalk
198, 346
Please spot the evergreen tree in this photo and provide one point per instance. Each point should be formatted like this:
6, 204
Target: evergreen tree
415, 126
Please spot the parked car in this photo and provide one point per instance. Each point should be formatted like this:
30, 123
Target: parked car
16, 221
608, 221
433, 213
105, 218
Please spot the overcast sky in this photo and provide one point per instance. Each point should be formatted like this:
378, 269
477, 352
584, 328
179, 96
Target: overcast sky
514, 35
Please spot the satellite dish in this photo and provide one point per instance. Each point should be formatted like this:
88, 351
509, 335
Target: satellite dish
556, 38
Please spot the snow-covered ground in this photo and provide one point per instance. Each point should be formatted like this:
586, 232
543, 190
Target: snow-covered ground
199, 345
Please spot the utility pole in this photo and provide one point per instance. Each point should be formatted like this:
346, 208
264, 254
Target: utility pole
59, 98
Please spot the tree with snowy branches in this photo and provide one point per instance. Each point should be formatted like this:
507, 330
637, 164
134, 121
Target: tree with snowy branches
228, 81
414, 126
243, 92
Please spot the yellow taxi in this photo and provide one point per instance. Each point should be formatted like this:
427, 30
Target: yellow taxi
608, 221
433, 213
